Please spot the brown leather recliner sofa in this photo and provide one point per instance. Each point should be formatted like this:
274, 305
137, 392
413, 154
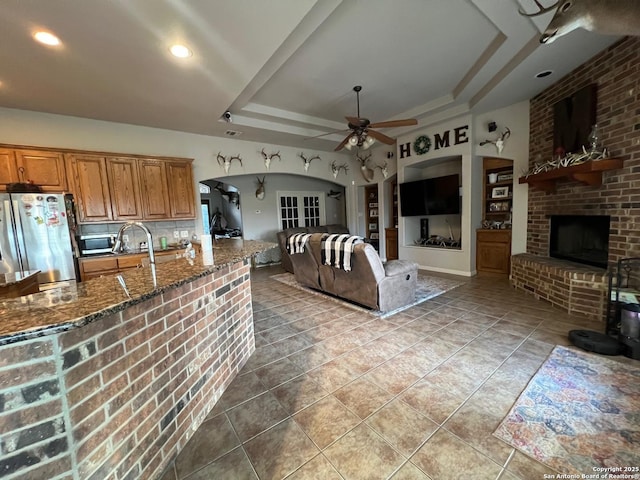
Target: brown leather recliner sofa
371, 283
282, 236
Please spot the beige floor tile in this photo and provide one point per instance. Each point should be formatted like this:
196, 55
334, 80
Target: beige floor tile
446, 457
432, 401
298, 393
234, 464
326, 420
409, 471
256, 415
242, 389
317, 468
311, 357
526, 468
278, 372
362, 455
362, 397
212, 440
280, 451
291, 345
475, 423
402, 427
332, 375
393, 376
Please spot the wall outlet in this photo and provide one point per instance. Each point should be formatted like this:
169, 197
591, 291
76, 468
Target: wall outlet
184, 234
176, 234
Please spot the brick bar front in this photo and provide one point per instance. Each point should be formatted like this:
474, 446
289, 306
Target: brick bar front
118, 398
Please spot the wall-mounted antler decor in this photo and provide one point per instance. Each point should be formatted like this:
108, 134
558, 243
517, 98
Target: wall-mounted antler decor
499, 142
307, 161
270, 156
367, 173
335, 194
383, 169
226, 162
335, 169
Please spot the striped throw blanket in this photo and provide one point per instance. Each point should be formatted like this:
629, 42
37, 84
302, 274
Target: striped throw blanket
337, 250
296, 242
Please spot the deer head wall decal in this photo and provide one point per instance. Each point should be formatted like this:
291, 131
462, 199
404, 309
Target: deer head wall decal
609, 17
260, 190
499, 143
307, 161
226, 162
367, 173
335, 169
270, 156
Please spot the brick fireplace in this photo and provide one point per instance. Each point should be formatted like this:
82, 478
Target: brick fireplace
616, 72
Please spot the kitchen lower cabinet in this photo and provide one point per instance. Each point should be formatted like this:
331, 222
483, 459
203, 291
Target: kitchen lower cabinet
493, 253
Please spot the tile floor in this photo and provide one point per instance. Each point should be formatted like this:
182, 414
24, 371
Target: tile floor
331, 393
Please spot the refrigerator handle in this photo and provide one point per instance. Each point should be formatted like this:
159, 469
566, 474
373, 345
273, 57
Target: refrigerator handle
24, 263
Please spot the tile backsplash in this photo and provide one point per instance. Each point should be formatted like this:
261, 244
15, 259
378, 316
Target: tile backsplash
136, 235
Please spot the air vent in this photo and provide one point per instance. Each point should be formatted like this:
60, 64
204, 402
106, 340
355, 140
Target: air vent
232, 133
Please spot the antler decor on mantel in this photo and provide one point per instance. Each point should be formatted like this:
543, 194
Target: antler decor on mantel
307, 161
226, 162
270, 156
367, 173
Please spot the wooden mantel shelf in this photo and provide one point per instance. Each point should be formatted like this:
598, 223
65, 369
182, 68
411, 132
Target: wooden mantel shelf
589, 173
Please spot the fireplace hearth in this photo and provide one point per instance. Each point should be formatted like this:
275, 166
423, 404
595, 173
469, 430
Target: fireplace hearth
580, 238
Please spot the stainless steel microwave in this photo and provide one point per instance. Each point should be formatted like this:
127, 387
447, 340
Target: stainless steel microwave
97, 243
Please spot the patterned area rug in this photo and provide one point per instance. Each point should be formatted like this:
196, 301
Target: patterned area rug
580, 413
427, 287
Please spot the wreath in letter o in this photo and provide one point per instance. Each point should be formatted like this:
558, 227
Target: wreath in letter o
422, 144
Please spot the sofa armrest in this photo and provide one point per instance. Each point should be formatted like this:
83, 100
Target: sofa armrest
399, 267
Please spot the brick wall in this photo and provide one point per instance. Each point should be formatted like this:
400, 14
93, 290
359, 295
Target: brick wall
118, 398
616, 71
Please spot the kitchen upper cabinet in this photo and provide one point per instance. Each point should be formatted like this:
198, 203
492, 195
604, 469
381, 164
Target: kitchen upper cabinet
8, 168
90, 186
40, 167
124, 188
180, 183
155, 198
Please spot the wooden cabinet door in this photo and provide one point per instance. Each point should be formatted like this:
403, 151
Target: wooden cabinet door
8, 168
124, 188
493, 251
155, 198
391, 239
90, 186
180, 184
97, 267
43, 168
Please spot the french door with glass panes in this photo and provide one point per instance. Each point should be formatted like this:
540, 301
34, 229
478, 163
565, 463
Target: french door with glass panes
300, 209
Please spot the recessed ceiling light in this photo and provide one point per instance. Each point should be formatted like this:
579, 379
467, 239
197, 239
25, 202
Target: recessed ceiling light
47, 38
180, 51
544, 73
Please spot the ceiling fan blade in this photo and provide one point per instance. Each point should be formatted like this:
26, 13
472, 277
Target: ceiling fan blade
395, 123
381, 137
342, 143
328, 133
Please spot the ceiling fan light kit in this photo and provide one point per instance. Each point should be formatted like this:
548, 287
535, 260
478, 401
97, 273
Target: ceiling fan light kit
362, 135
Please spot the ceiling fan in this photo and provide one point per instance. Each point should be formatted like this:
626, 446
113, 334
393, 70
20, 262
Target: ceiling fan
362, 135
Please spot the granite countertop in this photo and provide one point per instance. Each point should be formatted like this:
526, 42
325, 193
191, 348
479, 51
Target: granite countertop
64, 308
7, 279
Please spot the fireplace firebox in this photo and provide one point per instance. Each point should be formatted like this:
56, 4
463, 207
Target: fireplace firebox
580, 238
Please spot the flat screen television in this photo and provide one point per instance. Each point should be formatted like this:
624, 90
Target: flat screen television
431, 196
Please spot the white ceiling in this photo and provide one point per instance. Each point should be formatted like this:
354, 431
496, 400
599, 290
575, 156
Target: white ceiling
284, 68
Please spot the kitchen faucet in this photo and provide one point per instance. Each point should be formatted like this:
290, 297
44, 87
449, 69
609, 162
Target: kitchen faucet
123, 228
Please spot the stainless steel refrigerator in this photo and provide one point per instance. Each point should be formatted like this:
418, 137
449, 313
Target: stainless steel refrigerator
35, 235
